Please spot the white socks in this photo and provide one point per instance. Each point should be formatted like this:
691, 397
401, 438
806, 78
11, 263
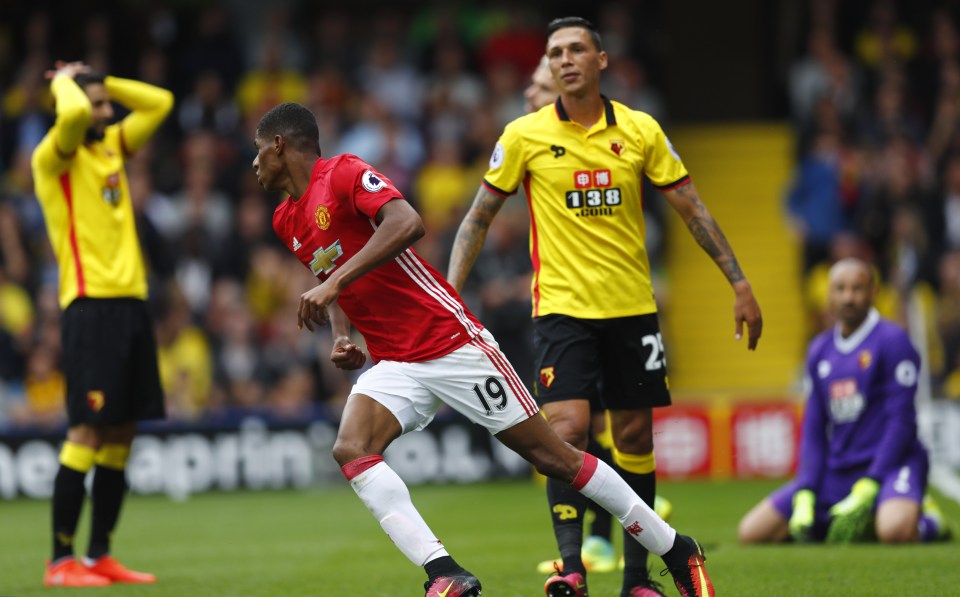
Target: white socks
602, 484
387, 498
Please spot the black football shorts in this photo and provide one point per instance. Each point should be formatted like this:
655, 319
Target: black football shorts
617, 364
109, 358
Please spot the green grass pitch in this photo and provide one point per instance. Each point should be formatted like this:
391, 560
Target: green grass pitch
324, 543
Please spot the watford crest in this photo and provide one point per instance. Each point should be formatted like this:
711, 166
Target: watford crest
95, 400
546, 376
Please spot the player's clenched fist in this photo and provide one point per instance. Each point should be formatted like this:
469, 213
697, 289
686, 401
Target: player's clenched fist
347, 355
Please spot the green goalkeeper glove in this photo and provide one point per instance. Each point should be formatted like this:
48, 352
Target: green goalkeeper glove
801, 521
853, 515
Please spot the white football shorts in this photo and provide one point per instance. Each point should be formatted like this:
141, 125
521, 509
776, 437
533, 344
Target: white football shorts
476, 380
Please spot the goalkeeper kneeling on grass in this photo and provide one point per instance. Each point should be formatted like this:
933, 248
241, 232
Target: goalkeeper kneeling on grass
862, 473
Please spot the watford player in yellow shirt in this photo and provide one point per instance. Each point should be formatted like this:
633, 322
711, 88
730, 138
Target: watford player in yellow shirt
581, 161
109, 354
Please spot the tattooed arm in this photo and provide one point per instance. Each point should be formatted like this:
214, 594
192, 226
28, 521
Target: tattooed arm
707, 233
471, 236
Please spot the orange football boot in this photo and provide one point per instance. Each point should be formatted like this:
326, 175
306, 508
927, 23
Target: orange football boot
108, 567
71, 573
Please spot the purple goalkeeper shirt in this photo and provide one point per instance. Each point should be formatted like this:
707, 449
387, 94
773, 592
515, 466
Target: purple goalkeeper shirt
860, 412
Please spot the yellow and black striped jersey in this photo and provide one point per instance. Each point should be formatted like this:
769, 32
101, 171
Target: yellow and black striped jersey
84, 195
583, 187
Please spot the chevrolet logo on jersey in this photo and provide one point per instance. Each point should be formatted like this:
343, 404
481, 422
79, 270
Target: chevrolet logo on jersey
323, 259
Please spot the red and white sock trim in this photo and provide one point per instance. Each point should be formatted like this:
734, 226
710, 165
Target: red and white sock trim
587, 469
353, 468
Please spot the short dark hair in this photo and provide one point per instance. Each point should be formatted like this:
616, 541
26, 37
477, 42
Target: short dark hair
84, 79
295, 123
564, 22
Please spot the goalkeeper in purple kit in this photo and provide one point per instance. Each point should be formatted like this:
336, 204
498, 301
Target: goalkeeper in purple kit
862, 474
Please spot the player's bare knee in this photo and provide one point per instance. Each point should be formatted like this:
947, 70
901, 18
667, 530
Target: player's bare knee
748, 531
746, 534
562, 465
897, 533
635, 437
85, 435
347, 450
571, 432
569, 425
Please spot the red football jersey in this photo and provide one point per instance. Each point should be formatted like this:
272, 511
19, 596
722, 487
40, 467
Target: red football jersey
405, 310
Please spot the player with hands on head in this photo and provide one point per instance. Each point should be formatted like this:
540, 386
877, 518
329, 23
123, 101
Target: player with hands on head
581, 161
354, 230
862, 470
109, 351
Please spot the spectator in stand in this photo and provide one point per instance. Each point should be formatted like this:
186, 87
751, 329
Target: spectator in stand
391, 80
901, 178
270, 81
184, 357
943, 224
884, 39
44, 392
815, 204
892, 116
208, 107
948, 320
441, 186
210, 45
251, 230
452, 92
380, 137
16, 325
823, 73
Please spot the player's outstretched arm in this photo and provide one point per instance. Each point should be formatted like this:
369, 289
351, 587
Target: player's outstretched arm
471, 235
705, 230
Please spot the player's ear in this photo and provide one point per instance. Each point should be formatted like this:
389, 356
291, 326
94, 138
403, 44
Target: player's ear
279, 144
602, 59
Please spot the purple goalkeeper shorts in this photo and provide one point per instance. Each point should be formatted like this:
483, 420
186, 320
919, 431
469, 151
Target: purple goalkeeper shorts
909, 481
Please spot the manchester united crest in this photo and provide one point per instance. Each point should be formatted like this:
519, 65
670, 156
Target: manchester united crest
323, 217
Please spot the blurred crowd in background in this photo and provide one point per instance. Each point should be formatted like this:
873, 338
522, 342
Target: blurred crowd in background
423, 93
